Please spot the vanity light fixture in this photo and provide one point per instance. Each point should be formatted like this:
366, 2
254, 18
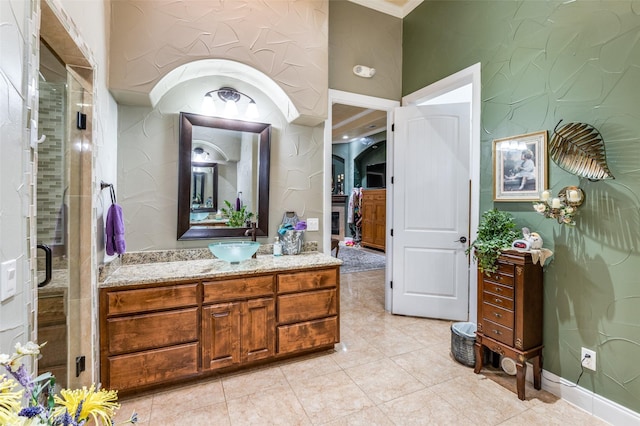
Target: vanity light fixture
200, 155
230, 97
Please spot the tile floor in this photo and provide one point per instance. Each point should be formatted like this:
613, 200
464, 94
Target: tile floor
387, 370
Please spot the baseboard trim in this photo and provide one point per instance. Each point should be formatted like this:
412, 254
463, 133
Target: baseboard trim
594, 404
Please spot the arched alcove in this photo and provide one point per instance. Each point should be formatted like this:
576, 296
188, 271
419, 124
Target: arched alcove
228, 69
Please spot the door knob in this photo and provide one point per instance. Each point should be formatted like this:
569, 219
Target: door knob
461, 239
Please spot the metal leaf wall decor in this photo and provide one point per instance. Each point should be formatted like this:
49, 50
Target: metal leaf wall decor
579, 149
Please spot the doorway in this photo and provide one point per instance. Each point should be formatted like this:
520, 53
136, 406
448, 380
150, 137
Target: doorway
365, 103
64, 199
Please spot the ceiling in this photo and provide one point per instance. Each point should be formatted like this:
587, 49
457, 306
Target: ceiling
351, 123
397, 8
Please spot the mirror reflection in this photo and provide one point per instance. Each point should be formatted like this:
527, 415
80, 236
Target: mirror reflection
224, 174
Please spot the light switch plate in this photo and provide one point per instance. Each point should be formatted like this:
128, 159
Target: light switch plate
313, 224
8, 279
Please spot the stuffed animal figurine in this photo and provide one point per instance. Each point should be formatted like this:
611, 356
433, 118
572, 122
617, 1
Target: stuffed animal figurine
533, 238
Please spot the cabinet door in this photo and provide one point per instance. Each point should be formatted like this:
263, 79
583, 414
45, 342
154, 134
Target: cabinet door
221, 331
258, 334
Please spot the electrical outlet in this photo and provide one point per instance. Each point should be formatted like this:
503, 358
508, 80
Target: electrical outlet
588, 358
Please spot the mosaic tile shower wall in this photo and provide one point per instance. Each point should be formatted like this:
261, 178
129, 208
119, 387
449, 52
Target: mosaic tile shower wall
51, 164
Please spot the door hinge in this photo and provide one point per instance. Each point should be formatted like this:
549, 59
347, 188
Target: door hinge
81, 121
393, 127
392, 232
80, 365
391, 180
391, 284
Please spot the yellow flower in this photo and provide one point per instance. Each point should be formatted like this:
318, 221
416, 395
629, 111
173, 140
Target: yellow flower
10, 401
99, 404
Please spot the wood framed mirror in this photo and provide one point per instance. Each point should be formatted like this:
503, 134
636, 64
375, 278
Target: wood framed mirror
221, 160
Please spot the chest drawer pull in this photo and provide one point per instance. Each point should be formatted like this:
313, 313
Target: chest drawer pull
498, 332
498, 300
498, 289
497, 315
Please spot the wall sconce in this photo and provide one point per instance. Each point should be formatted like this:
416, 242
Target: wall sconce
230, 97
564, 207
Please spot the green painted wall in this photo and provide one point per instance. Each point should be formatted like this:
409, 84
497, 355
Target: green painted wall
543, 61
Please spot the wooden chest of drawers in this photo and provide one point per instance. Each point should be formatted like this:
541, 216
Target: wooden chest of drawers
510, 314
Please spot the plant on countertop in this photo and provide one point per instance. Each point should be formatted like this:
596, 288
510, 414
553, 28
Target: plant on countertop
28, 401
496, 232
237, 218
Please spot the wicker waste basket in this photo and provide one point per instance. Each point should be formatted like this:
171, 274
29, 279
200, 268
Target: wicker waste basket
463, 337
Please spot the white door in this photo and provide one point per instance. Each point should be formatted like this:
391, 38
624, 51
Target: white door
431, 211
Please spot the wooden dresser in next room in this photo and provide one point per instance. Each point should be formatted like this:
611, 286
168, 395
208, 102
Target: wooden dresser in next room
510, 314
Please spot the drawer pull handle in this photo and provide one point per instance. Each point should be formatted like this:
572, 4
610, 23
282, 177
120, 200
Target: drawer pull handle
498, 332
498, 300
498, 289
497, 315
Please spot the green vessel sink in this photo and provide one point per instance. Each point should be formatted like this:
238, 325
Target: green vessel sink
234, 251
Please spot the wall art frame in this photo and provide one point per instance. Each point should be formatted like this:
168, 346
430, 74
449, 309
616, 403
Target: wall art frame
520, 167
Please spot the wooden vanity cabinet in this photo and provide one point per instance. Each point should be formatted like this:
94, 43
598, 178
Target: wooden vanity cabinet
52, 329
160, 333
238, 327
308, 307
510, 315
148, 335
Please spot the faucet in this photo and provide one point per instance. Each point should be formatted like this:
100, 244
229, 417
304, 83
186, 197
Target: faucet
252, 231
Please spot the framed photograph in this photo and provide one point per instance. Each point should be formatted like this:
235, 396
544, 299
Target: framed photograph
520, 167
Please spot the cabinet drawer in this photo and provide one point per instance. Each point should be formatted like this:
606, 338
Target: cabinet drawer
55, 351
496, 314
306, 306
51, 310
239, 288
134, 333
498, 289
503, 302
150, 367
311, 280
504, 274
307, 335
498, 332
151, 299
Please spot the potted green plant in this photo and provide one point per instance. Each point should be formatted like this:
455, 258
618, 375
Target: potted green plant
237, 218
496, 232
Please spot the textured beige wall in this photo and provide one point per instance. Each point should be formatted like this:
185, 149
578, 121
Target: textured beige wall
287, 40
362, 36
148, 166
16, 166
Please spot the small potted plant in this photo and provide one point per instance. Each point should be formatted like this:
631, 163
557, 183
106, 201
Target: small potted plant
496, 232
237, 218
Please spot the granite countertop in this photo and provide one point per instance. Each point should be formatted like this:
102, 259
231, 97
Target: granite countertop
156, 272
58, 284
